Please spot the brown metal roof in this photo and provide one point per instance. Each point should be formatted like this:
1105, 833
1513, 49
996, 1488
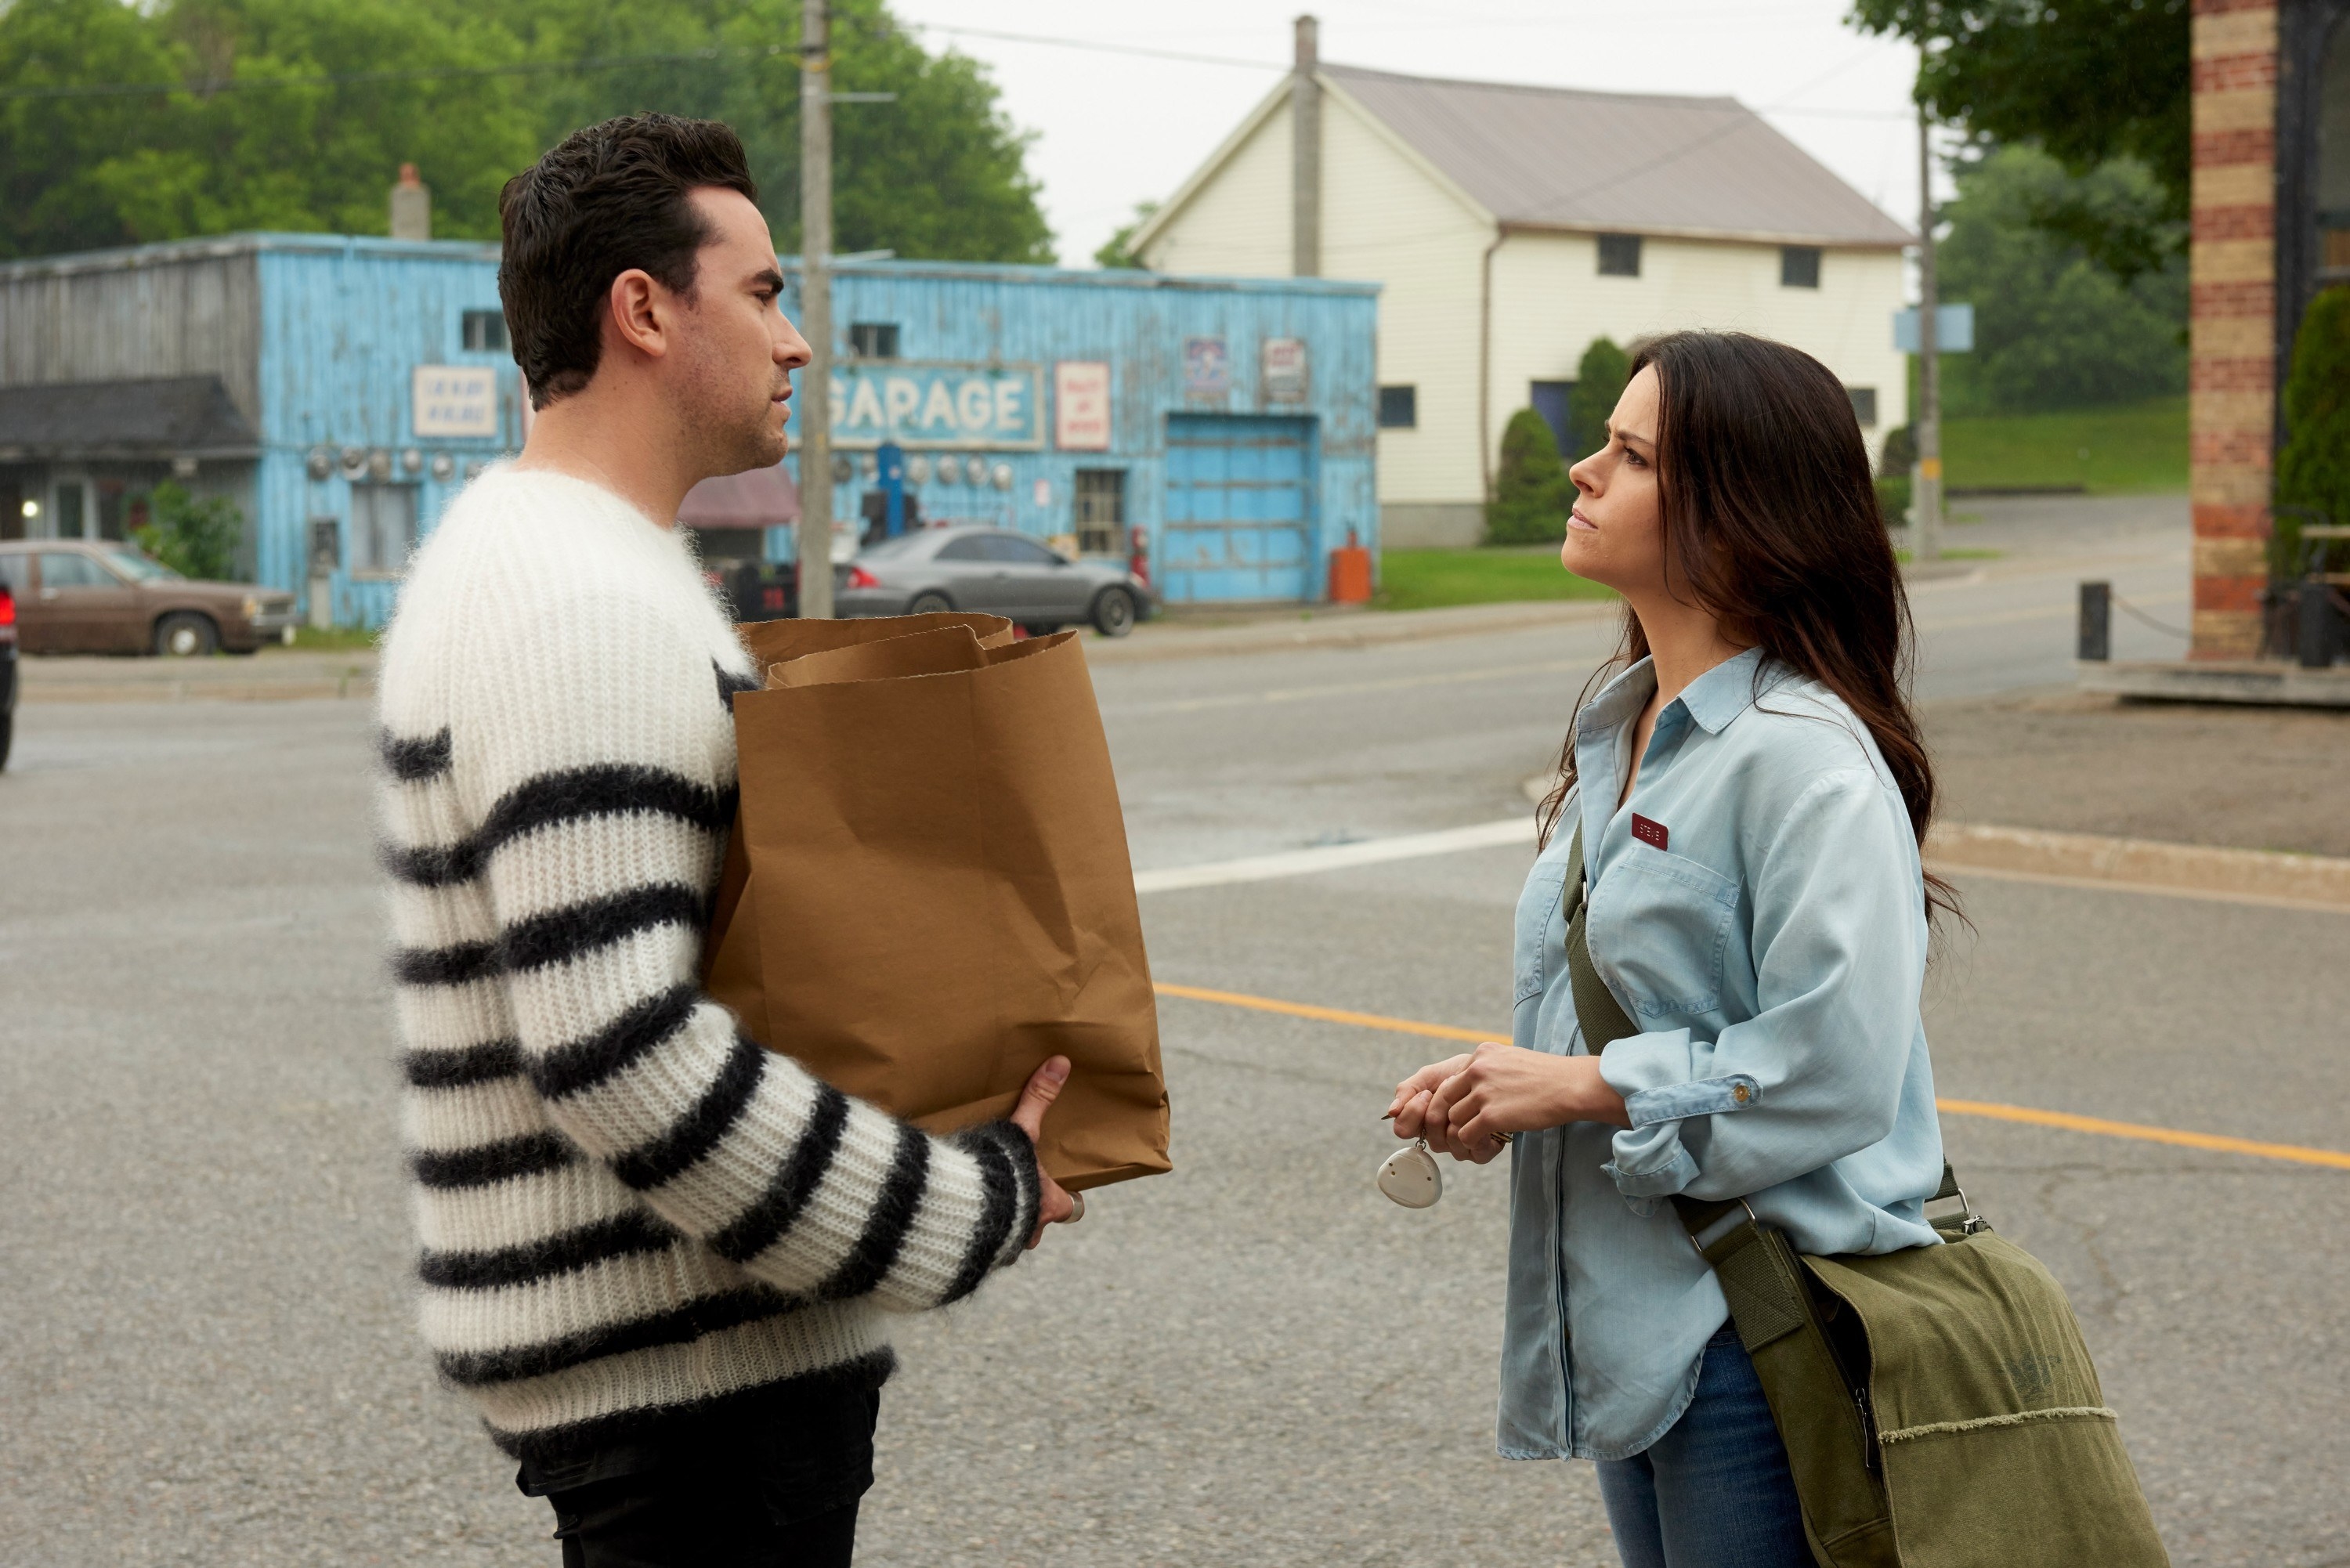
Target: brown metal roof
175, 416
1634, 162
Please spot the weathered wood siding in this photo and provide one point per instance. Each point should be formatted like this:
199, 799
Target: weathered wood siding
180, 310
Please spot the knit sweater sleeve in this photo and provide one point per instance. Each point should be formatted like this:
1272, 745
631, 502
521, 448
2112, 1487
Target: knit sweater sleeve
595, 753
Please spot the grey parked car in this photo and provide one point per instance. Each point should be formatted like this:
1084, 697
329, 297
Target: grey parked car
994, 571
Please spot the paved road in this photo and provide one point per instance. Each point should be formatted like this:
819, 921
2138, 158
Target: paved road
1256, 1360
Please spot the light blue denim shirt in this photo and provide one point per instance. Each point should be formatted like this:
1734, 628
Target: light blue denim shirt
1771, 950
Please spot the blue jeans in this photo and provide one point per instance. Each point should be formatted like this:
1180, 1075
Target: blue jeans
1714, 1491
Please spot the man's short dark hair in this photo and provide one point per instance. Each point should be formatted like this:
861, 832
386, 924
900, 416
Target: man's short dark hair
610, 198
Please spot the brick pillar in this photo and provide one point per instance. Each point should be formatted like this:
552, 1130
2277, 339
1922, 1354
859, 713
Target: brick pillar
2231, 355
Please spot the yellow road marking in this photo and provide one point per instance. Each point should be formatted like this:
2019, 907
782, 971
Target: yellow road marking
2298, 1155
2144, 1134
1326, 1014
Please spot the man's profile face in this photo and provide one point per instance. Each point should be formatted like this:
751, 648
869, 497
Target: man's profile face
735, 364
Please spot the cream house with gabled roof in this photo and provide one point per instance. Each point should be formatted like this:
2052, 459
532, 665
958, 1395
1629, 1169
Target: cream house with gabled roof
1511, 225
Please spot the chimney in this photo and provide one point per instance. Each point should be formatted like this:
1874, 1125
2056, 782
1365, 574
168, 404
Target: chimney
1305, 153
411, 206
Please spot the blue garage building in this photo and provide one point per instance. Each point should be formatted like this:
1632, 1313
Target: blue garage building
341, 391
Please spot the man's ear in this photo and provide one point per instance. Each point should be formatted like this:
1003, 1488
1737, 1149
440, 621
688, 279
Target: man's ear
636, 310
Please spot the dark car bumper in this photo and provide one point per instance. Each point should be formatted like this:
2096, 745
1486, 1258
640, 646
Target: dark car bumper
7, 678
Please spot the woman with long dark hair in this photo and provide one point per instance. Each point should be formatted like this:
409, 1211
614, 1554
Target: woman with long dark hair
1741, 807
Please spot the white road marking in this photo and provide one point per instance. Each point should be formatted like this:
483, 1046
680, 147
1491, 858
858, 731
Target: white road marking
1350, 689
1338, 856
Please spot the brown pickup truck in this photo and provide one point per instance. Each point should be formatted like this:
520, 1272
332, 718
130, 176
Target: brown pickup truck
97, 596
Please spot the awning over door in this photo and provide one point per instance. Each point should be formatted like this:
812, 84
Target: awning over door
178, 416
761, 498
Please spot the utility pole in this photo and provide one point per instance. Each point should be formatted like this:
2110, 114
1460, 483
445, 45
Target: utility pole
1926, 488
815, 398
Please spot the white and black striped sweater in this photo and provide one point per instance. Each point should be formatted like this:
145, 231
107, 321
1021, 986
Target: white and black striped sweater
628, 1210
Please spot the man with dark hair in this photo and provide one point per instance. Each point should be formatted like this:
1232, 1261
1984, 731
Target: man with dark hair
657, 1256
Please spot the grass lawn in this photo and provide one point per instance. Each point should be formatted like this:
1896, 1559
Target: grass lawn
2140, 446
337, 639
1427, 579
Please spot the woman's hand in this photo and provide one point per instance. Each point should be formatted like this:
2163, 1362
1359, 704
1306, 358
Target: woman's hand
1464, 1105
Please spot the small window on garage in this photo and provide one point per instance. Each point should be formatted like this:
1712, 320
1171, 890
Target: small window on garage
486, 333
1799, 266
1101, 510
1864, 405
382, 529
1399, 407
1619, 256
873, 340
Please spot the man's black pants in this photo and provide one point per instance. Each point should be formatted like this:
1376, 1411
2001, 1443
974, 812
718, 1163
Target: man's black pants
772, 1483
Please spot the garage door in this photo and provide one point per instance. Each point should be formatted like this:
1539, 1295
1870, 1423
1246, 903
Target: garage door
1239, 509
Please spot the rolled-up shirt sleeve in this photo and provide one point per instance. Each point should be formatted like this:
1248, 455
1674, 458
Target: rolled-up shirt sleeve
1839, 945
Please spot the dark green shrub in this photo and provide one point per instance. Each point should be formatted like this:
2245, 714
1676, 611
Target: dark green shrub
1900, 453
195, 537
1598, 382
1531, 494
1893, 498
2314, 469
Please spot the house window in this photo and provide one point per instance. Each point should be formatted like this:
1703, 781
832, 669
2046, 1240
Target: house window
1619, 256
1864, 405
1799, 266
1554, 402
486, 333
873, 340
1101, 510
383, 528
1399, 407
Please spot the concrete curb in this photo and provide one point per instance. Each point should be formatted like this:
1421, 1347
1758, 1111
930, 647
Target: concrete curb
1164, 639
268, 677
2191, 870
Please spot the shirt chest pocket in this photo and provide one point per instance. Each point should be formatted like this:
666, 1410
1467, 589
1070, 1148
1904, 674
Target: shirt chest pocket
1663, 922
1539, 929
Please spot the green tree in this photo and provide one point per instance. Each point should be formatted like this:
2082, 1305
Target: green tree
273, 150
2314, 469
2053, 328
940, 173
470, 92
2090, 80
1532, 495
1117, 251
1598, 382
195, 537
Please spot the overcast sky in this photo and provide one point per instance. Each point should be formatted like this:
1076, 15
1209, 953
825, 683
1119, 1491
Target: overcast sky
1113, 130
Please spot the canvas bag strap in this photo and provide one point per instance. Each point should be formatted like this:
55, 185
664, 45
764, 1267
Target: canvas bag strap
1766, 1298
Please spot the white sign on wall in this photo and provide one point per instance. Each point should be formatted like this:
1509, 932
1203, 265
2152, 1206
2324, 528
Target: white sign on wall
1081, 405
456, 401
1282, 371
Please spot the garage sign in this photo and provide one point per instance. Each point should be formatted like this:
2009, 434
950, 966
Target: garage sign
917, 405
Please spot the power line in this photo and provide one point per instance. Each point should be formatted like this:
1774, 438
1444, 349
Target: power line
1094, 46
205, 87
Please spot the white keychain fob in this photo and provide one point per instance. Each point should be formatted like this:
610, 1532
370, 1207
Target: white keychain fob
1410, 1176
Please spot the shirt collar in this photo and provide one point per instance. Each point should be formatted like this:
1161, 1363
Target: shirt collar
1723, 692
1712, 700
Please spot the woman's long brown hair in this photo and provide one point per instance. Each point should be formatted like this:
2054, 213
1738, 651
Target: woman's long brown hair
1772, 525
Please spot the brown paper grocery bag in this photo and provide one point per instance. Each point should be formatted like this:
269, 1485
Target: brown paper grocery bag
929, 890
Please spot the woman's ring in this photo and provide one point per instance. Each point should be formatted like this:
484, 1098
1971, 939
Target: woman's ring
1077, 1209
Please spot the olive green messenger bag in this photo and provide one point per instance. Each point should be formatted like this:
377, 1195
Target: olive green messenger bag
1938, 1405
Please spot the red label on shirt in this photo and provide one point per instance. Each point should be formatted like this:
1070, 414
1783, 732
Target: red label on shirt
1651, 833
